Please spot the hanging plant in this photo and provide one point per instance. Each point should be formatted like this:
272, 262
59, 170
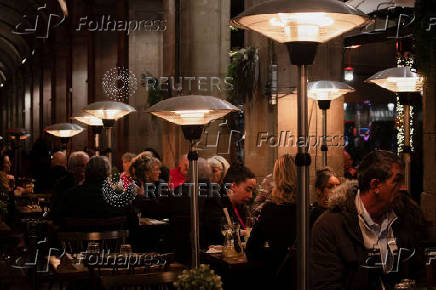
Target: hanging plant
243, 73
155, 94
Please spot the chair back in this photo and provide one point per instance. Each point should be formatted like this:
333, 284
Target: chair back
156, 280
76, 242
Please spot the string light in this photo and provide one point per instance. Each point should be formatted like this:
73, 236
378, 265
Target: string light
117, 196
409, 61
119, 84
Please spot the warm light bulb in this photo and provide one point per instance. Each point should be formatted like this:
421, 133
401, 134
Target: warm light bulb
391, 107
303, 32
302, 26
348, 75
111, 114
90, 120
312, 18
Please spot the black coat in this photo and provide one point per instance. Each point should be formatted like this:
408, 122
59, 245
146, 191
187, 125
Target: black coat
277, 226
212, 217
87, 201
339, 259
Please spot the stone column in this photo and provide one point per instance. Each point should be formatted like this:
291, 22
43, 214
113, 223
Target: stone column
428, 197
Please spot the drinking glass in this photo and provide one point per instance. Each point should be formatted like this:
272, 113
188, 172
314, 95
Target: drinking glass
93, 248
249, 223
125, 249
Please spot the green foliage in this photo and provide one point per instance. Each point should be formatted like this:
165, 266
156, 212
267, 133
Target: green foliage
199, 278
155, 94
242, 71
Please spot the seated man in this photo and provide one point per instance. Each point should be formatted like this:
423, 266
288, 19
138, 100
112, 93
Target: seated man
89, 200
58, 167
178, 174
236, 193
75, 176
177, 207
355, 242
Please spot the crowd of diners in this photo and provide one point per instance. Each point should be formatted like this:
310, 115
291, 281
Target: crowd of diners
352, 219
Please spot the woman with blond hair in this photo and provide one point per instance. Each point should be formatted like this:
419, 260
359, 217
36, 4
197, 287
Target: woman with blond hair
276, 226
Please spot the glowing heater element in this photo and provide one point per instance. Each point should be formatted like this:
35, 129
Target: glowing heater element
192, 113
302, 26
64, 130
300, 20
327, 90
88, 119
398, 79
109, 110
192, 109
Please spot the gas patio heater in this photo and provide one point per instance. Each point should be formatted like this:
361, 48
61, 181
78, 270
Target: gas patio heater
324, 92
408, 85
301, 26
64, 131
109, 112
192, 113
96, 125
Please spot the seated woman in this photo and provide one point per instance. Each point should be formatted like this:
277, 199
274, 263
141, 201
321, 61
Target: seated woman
219, 166
275, 230
125, 175
326, 180
145, 170
7, 180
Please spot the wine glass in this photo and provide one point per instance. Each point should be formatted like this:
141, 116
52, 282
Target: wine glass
249, 223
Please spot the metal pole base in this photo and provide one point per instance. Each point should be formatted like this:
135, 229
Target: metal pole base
195, 222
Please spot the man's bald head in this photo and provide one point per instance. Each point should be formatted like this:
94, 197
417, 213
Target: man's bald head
59, 159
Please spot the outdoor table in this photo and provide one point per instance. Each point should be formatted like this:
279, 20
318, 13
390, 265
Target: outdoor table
70, 268
28, 211
229, 264
152, 235
236, 273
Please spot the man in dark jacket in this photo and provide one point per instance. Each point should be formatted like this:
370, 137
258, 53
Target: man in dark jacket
361, 242
95, 198
239, 185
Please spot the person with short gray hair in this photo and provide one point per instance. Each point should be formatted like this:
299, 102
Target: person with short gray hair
75, 176
362, 230
219, 166
77, 165
98, 169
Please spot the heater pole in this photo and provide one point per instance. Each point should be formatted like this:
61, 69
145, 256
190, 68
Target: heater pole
109, 144
324, 136
303, 179
195, 224
406, 148
97, 144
